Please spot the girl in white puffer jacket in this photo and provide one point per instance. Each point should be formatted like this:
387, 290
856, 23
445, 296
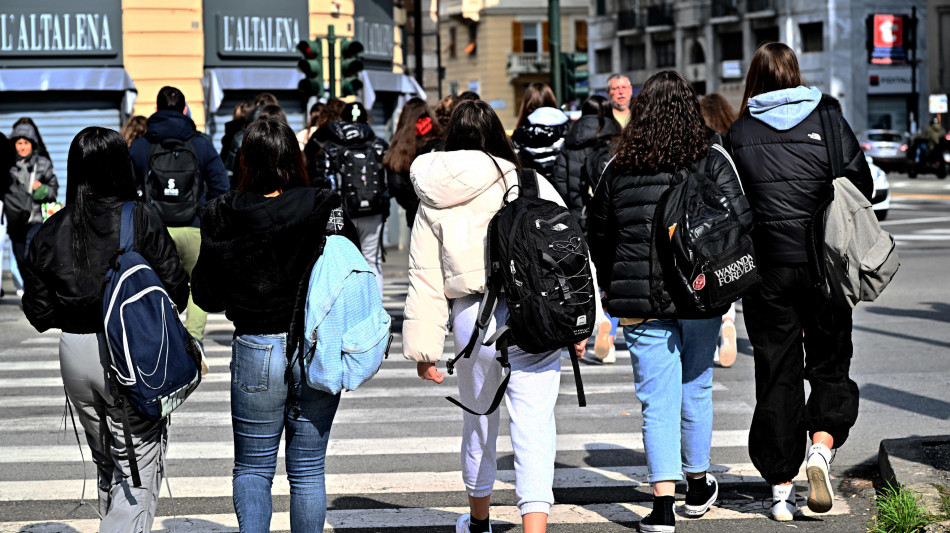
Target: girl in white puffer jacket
460, 190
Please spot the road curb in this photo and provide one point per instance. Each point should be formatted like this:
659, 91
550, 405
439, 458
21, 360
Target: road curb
905, 462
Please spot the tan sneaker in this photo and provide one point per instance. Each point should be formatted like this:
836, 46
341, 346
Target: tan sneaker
604, 341
728, 350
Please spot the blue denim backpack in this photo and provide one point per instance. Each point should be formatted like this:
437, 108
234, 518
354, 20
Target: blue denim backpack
154, 363
347, 331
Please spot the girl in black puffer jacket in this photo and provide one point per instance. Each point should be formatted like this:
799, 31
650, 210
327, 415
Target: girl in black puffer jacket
584, 156
540, 130
64, 274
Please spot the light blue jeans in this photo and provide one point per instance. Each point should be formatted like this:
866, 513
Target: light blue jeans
672, 369
260, 413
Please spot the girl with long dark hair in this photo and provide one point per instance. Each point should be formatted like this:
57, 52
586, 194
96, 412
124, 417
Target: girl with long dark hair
671, 351
780, 149
257, 245
418, 132
540, 130
64, 275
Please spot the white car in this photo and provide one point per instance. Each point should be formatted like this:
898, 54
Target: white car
881, 199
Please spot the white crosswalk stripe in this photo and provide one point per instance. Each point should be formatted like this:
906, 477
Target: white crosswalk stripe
389, 441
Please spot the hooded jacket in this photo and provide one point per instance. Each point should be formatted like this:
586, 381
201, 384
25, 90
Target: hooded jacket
171, 124
21, 203
581, 161
780, 151
539, 141
459, 192
56, 296
400, 186
336, 137
255, 251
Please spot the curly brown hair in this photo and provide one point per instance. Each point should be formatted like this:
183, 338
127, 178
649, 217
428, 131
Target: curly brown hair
666, 130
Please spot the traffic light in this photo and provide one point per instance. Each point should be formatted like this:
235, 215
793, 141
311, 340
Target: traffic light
576, 86
312, 67
350, 67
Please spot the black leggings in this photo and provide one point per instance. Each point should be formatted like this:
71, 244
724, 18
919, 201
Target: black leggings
797, 334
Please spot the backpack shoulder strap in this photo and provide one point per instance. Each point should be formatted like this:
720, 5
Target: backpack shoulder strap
127, 228
829, 127
528, 182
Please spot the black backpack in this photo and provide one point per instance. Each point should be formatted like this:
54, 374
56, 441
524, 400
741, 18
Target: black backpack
362, 180
537, 254
172, 181
705, 255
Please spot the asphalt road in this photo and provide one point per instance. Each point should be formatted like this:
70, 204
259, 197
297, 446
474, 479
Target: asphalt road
393, 463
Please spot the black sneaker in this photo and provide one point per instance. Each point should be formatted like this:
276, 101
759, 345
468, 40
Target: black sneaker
661, 519
700, 496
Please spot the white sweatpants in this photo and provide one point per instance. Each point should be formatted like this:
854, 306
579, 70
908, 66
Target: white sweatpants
530, 398
370, 230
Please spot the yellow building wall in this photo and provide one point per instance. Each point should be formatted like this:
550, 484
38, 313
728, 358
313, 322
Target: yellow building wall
163, 44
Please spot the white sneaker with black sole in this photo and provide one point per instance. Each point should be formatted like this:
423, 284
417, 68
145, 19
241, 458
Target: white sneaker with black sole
699, 501
820, 494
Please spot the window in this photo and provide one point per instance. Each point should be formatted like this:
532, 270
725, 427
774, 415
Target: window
731, 44
813, 37
697, 55
580, 35
472, 47
601, 8
634, 56
529, 37
665, 54
453, 42
604, 60
454, 88
766, 35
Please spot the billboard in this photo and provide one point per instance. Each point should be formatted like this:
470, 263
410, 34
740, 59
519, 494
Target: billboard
888, 39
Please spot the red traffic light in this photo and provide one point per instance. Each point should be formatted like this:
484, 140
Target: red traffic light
310, 49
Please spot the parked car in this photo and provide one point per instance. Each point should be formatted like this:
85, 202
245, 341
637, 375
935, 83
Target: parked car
881, 198
888, 148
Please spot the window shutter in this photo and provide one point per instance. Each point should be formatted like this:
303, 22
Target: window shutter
516, 42
545, 37
580, 35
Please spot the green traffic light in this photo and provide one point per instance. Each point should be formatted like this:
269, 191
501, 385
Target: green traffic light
350, 86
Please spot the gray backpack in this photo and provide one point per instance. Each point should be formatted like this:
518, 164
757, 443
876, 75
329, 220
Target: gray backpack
855, 259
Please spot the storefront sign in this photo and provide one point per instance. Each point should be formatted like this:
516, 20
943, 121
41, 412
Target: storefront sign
375, 28
889, 80
888, 36
53, 33
246, 33
938, 103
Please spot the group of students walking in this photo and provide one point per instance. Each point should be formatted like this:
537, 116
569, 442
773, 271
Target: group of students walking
258, 241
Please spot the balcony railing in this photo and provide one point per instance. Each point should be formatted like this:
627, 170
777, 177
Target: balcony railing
660, 15
725, 8
629, 19
528, 63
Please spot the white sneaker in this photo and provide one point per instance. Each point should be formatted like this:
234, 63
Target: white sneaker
611, 356
728, 350
820, 494
604, 341
784, 507
461, 526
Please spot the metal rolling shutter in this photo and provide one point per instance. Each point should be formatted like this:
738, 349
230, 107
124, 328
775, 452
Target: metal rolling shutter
296, 119
58, 127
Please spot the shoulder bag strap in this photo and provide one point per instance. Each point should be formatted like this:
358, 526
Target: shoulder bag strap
528, 182
829, 127
502, 342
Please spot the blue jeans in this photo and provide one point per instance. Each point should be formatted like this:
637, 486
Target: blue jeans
260, 413
672, 369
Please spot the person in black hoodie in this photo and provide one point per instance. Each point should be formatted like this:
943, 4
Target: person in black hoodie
64, 275
351, 162
258, 246
781, 151
418, 132
170, 122
672, 350
584, 155
540, 130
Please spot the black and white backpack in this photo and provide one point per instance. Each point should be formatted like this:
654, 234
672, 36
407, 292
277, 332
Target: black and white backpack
537, 255
173, 181
362, 180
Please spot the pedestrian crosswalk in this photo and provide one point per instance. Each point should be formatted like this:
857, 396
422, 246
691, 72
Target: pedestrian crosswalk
392, 462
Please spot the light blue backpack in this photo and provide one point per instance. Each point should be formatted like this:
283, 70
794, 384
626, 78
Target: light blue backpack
347, 331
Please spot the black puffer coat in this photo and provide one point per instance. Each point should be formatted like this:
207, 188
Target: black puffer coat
582, 160
539, 140
786, 175
620, 221
336, 137
55, 297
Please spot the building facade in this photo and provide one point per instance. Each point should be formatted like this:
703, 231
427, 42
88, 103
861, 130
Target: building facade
479, 36
712, 41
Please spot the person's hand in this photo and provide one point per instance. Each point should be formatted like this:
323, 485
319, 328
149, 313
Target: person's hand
580, 348
36, 184
429, 372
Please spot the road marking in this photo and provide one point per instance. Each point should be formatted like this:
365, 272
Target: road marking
922, 196
382, 482
727, 438
415, 517
927, 220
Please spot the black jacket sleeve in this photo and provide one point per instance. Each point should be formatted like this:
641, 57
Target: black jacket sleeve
856, 166
560, 176
723, 171
158, 248
39, 298
602, 231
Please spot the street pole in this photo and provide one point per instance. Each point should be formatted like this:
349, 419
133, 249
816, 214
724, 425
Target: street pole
914, 98
331, 57
417, 40
554, 45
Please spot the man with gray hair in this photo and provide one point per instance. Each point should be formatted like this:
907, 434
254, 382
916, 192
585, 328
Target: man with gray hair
619, 91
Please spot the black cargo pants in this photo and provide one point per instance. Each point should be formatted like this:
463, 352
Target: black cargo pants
797, 334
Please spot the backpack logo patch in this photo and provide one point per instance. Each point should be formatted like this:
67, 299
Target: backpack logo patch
171, 189
581, 321
734, 271
560, 227
814, 136
699, 282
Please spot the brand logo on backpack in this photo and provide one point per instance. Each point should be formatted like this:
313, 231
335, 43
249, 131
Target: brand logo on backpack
171, 189
734, 271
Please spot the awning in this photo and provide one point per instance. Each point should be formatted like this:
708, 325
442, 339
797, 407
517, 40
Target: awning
218, 80
70, 79
375, 81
